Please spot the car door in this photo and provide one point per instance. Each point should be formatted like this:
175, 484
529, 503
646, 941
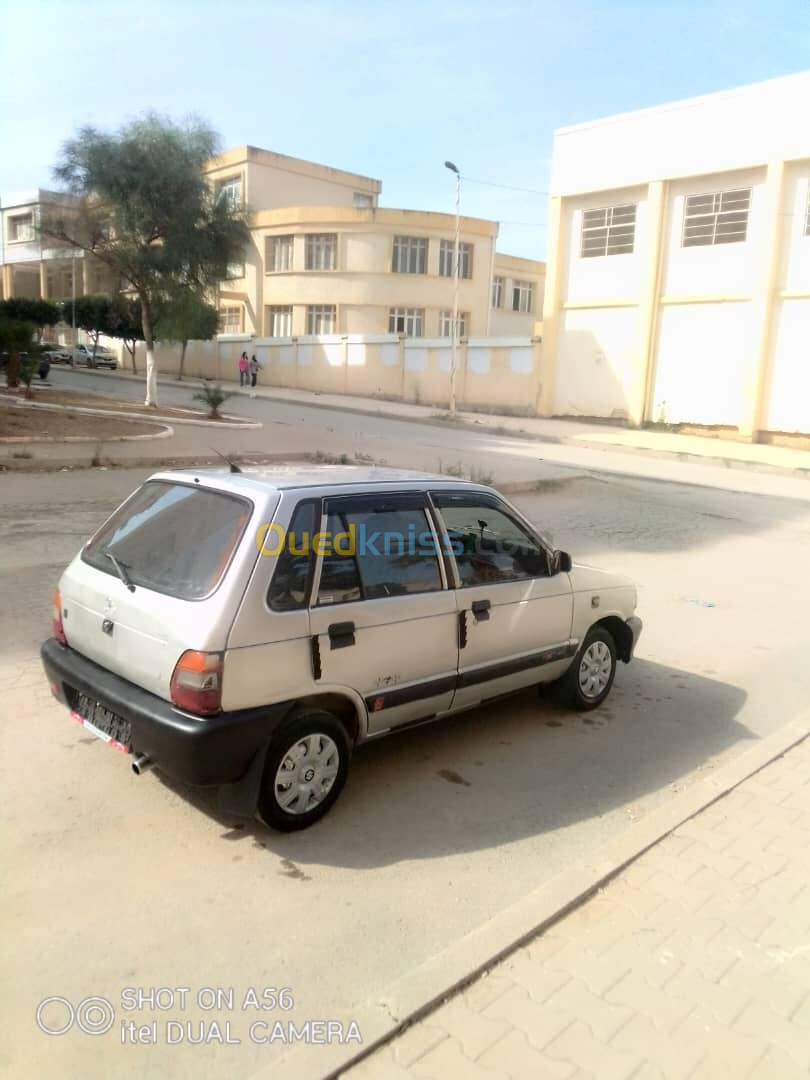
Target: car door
383, 619
514, 612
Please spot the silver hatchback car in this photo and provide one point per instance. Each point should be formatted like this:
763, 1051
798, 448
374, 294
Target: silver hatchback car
249, 629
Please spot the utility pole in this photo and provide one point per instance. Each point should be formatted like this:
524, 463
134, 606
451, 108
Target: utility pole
456, 271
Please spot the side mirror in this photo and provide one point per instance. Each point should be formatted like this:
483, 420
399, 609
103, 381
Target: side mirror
562, 562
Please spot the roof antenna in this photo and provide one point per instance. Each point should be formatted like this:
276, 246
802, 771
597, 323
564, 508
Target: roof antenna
232, 466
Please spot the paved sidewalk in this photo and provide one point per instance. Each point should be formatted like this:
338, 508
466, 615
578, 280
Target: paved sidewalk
694, 962
570, 432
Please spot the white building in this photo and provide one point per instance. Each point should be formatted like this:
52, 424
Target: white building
678, 273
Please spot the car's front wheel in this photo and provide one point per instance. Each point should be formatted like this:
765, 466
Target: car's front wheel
588, 680
304, 772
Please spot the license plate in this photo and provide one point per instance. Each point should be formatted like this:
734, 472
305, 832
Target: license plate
105, 725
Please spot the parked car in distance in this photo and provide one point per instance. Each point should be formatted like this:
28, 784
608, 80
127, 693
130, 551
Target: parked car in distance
248, 629
103, 357
56, 354
44, 363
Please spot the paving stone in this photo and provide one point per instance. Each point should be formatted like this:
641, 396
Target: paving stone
473, 1030
381, 1065
603, 1018
539, 1023
664, 1009
711, 1001
776, 1065
415, 1041
577, 1045
539, 980
514, 1056
767, 1025
447, 1062
675, 1054
484, 990
731, 1054
597, 972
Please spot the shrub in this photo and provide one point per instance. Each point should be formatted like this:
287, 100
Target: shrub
213, 396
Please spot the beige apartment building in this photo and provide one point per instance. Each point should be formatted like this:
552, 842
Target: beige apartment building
326, 259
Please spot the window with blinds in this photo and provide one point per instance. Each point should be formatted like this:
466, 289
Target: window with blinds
719, 218
610, 230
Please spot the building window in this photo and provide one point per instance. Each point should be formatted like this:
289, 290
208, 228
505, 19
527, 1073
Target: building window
21, 228
230, 191
522, 296
497, 292
610, 230
447, 252
446, 323
720, 218
230, 320
407, 321
321, 319
410, 255
278, 253
279, 321
235, 271
362, 201
321, 251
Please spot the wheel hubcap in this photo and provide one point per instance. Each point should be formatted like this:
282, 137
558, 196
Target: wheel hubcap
594, 669
307, 773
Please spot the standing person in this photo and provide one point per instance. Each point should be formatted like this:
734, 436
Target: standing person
243, 369
254, 369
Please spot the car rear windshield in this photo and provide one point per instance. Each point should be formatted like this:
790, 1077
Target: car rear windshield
172, 538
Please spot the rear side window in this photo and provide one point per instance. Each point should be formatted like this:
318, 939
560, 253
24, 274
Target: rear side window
289, 589
172, 538
379, 553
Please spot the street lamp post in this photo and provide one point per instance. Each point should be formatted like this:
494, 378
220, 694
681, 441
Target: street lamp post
456, 270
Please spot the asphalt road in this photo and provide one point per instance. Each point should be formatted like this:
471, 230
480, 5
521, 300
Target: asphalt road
117, 882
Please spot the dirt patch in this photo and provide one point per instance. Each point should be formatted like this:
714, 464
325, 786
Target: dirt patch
96, 401
19, 423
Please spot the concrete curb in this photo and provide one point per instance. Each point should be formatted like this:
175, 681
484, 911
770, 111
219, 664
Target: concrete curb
120, 415
40, 465
412, 996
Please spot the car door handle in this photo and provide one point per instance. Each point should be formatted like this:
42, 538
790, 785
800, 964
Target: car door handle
480, 609
341, 635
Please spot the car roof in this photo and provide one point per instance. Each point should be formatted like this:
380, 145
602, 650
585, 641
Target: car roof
264, 479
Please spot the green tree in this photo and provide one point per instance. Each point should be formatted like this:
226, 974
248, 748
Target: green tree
93, 315
125, 324
20, 318
187, 317
38, 313
146, 209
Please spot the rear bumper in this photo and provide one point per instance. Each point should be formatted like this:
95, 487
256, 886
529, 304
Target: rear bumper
195, 750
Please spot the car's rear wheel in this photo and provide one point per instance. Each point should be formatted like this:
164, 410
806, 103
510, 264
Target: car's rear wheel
588, 680
305, 770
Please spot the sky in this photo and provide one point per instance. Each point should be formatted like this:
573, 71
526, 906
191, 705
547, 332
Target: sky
386, 89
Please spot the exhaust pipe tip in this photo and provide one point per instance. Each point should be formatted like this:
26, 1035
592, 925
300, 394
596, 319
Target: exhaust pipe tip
141, 764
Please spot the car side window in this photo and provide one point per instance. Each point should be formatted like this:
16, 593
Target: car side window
394, 554
340, 580
489, 546
289, 588
397, 553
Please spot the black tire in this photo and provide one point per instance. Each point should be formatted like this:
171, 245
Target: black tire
308, 725
570, 690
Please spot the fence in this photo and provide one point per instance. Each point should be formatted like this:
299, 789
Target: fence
493, 374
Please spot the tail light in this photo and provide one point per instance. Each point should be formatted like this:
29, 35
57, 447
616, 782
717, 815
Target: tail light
196, 684
57, 629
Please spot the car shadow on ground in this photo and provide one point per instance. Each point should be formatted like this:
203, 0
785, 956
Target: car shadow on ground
510, 770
